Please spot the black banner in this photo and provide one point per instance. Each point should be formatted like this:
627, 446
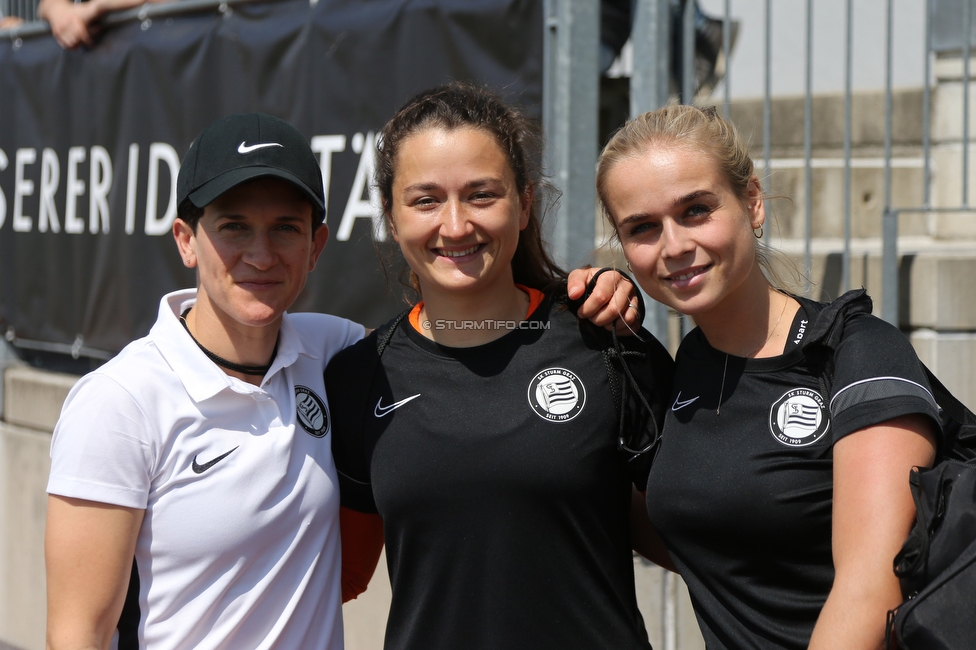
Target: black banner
90, 143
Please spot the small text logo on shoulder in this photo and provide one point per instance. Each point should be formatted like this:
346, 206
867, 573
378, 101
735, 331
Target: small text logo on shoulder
800, 332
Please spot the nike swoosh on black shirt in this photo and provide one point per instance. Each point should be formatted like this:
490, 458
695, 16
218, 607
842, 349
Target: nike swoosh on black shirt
200, 469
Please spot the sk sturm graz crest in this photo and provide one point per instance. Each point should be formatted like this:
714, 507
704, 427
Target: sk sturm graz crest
311, 412
799, 418
557, 395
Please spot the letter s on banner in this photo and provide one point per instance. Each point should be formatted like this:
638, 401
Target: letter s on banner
161, 152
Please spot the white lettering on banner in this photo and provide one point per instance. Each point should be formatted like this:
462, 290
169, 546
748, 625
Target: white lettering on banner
356, 207
47, 215
100, 182
22, 187
3, 197
161, 152
131, 186
325, 146
74, 187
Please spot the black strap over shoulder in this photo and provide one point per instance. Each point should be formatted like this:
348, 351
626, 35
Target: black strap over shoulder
638, 433
633, 437
824, 335
385, 332
958, 422
937, 563
828, 328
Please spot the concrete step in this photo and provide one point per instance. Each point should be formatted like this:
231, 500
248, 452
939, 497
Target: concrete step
32, 398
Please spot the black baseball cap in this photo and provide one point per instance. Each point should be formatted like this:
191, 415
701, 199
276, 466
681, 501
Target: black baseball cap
238, 148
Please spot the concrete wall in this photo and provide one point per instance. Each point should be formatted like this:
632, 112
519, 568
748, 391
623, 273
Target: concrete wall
31, 403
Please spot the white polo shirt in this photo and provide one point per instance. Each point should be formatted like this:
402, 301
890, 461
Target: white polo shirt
239, 547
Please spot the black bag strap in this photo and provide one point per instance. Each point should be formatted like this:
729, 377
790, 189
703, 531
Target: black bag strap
958, 422
824, 334
638, 435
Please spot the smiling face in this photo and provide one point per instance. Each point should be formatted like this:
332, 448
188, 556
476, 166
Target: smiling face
456, 211
253, 249
687, 235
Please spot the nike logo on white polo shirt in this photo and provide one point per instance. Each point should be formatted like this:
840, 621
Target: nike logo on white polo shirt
678, 404
200, 469
381, 410
245, 148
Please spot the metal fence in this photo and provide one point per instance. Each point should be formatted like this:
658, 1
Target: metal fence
24, 9
948, 33
570, 103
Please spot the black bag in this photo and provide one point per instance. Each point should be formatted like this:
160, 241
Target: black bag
937, 564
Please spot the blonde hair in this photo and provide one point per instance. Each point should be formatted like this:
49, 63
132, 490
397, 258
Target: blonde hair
698, 129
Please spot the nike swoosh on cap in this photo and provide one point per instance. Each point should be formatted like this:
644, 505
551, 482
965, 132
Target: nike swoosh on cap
678, 404
243, 147
381, 410
200, 469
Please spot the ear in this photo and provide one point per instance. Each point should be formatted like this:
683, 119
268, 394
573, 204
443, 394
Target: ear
185, 242
755, 204
319, 240
525, 206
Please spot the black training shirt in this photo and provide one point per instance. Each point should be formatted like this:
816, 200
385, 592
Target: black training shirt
503, 493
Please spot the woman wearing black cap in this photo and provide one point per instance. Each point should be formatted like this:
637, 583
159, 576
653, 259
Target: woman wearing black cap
199, 449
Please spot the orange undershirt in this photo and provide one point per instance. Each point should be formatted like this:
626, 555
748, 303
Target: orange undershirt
535, 299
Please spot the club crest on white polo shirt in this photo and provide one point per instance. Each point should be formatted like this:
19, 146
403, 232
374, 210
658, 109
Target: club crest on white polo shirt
311, 411
799, 418
557, 395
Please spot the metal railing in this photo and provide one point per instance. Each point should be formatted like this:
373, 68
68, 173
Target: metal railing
23, 9
142, 13
650, 88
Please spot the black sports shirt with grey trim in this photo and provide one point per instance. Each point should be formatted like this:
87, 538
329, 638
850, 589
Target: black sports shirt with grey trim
742, 497
496, 471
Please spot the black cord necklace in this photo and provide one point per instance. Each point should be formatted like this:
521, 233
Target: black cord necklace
224, 363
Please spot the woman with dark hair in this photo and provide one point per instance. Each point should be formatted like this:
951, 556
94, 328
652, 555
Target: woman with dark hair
780, 488
483, 424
